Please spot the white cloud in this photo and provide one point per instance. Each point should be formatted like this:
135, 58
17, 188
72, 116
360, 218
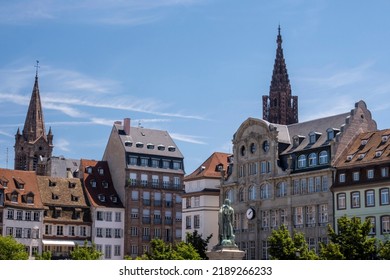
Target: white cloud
187, 138
62, 144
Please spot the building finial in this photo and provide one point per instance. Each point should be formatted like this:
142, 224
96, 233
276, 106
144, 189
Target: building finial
279, 29
36, 66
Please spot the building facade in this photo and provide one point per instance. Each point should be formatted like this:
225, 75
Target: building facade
282, 175
147, 171
22, 213
362, 182
33, 147
107, 211
201, 198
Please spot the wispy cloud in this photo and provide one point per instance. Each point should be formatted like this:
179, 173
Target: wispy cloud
6, 134
79, 90
187, 138
130, 12
62, 144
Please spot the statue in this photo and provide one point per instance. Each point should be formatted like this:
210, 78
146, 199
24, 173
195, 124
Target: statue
225, 223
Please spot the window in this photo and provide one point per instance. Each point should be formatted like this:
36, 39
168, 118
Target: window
134, 195
196, 201
322, 213
298, 216
188, 222
155, 181
252, 193
384, 196
302, 161
176, 182
27, 216
311, 185
107, 251
101, 171
99, 232
241, 194
312, 159
176, 165
355, 199
265, 191
342, 178
144, 180
303, 186
19, 215
196, 221
166, 164
134, 213
144, 161
355, 176
133, 231
155, 163
341, 201
310, 215
296, 187
117, 250
283, 216
60, 230
370, 198
229, 195
118, 216
325, 183
36, 216
18, 233
385, 224
150, 146
370, 173
323, 158
312, 138
133, 160
71, 231
265, 219
330, 133
281, 189
99, 215
108, 233
385, 172
373, 225
48, 229
93, 183
317, 181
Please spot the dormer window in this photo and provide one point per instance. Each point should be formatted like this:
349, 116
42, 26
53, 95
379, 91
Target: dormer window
101, 197
14, 196
93, 183
101, 171
363, 142
171, 148
19, 183
89, 170
150, 146
52, 183
313, 137
114, 199
3, 182
161, 147
139, 145
30, 198
72, 185
128, 143
378, 153
219, 167
330, 134
105, 184
385, 138
74, 198
55, 196
349, 157
361, 156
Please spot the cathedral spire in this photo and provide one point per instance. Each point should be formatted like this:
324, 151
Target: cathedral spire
34, 126
280, 106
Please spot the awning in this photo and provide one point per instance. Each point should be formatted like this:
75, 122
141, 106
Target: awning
65, 242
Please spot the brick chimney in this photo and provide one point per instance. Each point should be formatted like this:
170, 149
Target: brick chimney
126, 125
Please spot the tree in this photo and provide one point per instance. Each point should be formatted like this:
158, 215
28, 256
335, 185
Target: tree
200, 244
44, 256
283, 246
10, 249
85, 252
384, 250
162, 251
351, 241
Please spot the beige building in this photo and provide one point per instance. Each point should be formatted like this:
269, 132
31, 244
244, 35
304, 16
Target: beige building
282, 175
201, 198
362, 182
147, 171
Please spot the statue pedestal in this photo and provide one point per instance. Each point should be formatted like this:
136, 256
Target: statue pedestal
223, 252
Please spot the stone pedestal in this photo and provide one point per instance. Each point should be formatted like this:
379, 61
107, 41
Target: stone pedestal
225, 253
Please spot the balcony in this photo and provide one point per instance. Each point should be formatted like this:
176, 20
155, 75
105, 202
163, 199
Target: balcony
157, 203
157, 221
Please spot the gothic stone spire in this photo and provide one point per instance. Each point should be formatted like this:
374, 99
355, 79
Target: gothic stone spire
280, 106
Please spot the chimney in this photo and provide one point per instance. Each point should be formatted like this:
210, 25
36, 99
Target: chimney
126, 125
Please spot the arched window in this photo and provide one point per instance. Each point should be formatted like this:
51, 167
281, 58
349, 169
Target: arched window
323, 158
252, 193
265, 191
312, 159
302, 161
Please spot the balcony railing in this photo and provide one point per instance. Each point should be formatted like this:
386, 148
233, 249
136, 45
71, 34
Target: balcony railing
153, 184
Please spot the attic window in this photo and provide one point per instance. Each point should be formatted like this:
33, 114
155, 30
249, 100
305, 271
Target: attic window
349, 157
74, 198
3, 182
378, 153
89, 170
52, 183
114, 199
102, 198
72, 185
139, 145
14, 197
150, 146
361, 156
313, 137
30, 198
55, 196
93, 183
101, 171
19, 183
161, 147
219, 167
363, 142
385, 138
171, 148
128, 144
105, 184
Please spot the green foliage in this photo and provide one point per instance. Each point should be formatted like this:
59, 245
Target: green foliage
45, 256
163, 251
200, 244
283, 246
351, 242
85, 252
384, 250
10, 249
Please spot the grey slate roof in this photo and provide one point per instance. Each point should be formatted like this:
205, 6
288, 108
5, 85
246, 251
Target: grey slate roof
149, 136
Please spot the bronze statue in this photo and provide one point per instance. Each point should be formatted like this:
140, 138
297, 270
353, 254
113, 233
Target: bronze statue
225, 222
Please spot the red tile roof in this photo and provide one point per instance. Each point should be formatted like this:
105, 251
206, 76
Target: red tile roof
209, 169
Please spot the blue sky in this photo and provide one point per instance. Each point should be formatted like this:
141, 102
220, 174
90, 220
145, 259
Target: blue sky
196, 68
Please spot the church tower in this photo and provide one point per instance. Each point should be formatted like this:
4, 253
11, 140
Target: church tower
33, 147
280, 106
